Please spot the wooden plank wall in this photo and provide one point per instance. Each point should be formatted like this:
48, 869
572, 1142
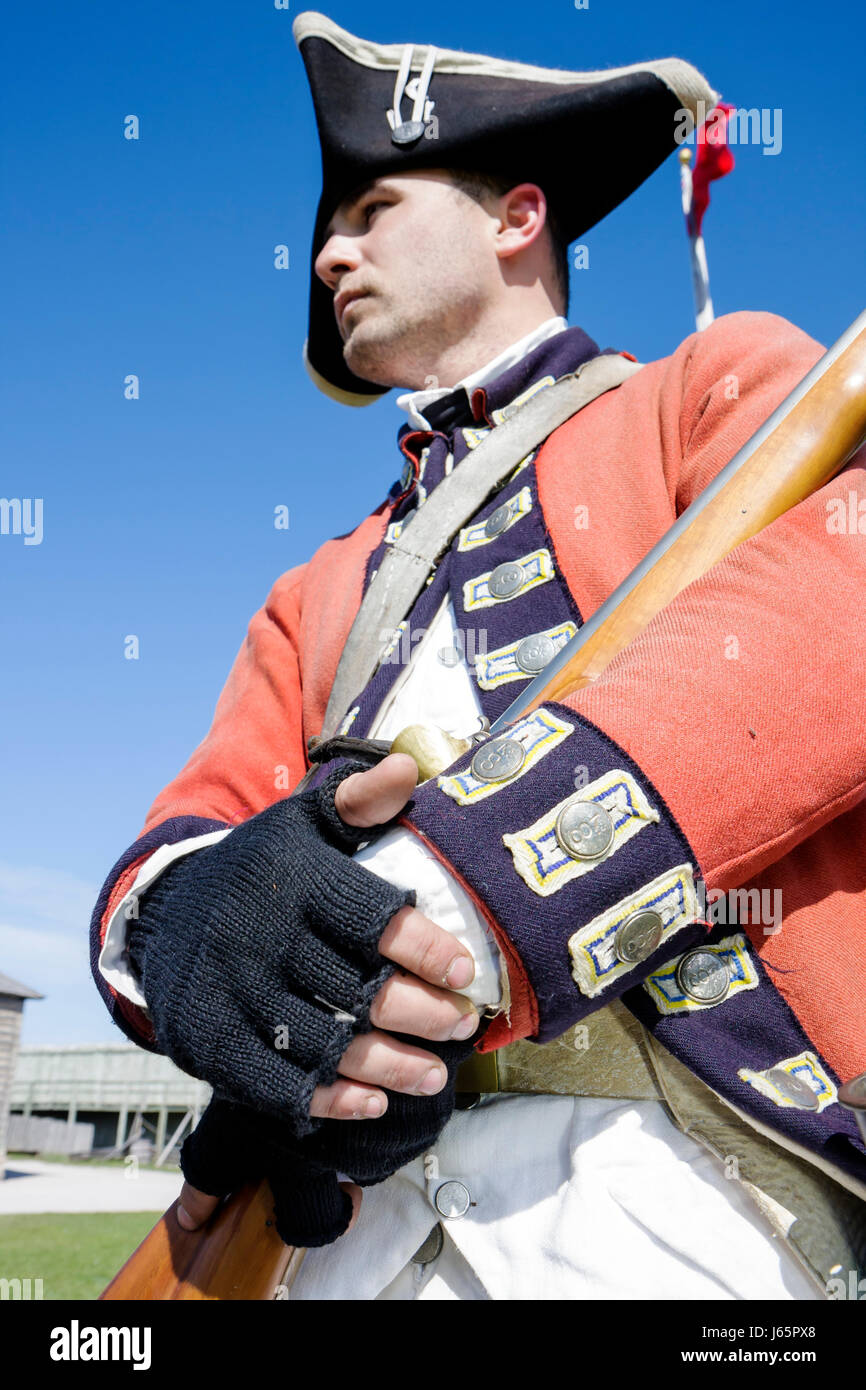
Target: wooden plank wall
10, 1030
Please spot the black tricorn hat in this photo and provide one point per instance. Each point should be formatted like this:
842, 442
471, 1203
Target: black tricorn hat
390, 108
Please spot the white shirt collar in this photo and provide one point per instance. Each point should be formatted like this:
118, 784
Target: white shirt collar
413, 402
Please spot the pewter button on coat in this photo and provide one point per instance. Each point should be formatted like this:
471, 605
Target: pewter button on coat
534, 653
452, 1200
794, 1088
584, 830
507, 579
449, 656
497, 760
498, 520
704, 976
638, 937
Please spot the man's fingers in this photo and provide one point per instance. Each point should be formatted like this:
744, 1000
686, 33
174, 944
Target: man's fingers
410, 939
375, 1059
194, 1207
416, 943
406, 1005
380, 1060
346, 1100
375, 796
401, 1006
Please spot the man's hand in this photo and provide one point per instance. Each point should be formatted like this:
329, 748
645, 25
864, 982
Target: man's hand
420, 1002
230, 932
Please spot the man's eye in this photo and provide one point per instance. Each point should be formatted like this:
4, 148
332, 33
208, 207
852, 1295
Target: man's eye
371, 207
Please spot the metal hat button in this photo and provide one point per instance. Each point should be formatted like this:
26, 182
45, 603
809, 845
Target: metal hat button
500, 758
584, 830
704, 976
638, 937
534, 653
507, 580
452, 1200
408, 132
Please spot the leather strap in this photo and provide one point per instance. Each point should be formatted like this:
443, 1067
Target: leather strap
604, 1056
410, 560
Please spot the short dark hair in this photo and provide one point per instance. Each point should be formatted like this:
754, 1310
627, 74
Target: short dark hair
480, 187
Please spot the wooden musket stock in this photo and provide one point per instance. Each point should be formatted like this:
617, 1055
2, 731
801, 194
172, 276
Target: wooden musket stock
236, 1256
806, 441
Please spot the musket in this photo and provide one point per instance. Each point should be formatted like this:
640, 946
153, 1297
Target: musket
806, 441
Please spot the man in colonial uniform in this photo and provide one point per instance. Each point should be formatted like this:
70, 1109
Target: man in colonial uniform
577, 1011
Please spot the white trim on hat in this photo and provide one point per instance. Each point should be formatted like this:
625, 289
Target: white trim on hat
687, 84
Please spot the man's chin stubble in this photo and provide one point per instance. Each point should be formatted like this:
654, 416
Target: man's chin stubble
383, 362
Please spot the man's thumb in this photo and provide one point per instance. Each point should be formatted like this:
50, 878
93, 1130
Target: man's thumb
375, 796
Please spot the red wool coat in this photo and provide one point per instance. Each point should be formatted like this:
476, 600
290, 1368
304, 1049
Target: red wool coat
738, 714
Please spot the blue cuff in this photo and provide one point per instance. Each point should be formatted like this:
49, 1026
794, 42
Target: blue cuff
574, 853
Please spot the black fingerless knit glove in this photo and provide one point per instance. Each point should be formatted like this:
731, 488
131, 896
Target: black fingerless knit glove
258, 956
234, 1144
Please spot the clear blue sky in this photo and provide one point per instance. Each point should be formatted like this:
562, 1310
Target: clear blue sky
155, 257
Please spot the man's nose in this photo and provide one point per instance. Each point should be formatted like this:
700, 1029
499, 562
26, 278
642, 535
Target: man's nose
338, 255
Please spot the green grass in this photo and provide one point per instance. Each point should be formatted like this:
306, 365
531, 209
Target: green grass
75, 1255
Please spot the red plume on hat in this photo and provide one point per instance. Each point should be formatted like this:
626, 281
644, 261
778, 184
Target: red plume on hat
714, 159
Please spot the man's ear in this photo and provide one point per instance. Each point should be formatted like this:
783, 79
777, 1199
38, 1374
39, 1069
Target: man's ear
522, 214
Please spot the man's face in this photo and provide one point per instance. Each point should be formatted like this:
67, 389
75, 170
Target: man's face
419, 256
